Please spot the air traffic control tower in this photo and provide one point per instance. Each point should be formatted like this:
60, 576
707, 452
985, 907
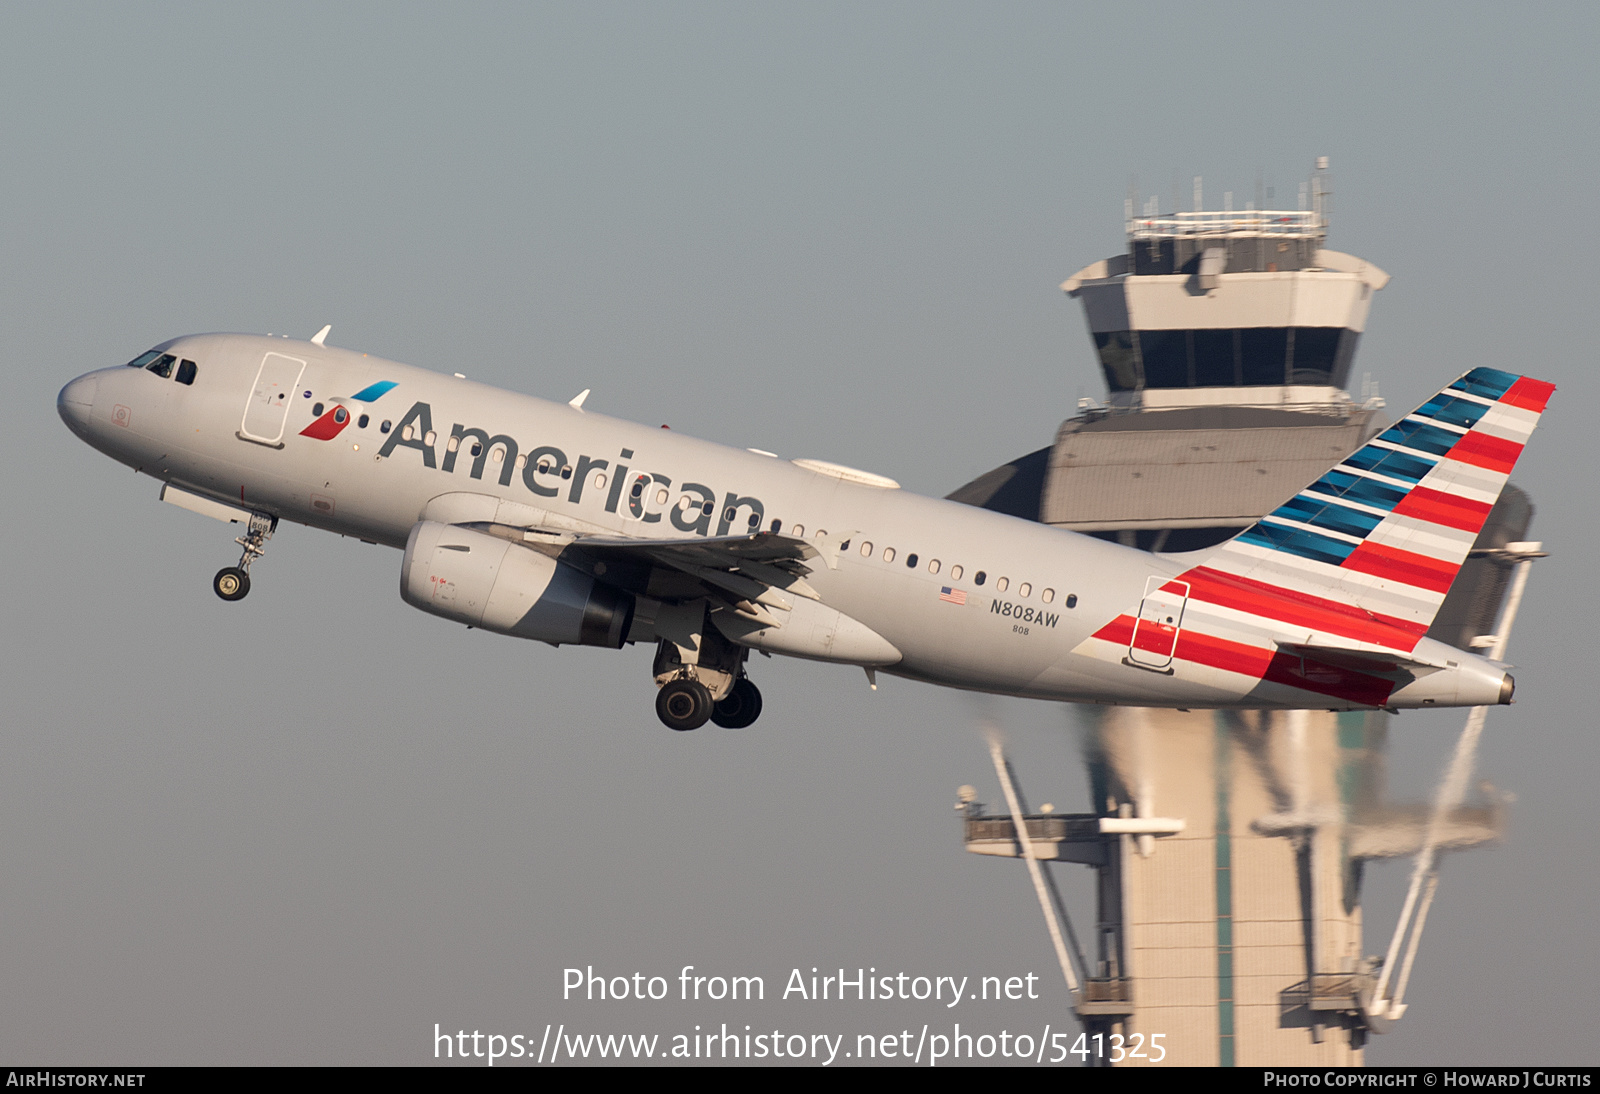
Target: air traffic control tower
1228, 847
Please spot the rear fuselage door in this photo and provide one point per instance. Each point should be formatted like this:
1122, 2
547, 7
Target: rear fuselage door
267, 409
1155, 633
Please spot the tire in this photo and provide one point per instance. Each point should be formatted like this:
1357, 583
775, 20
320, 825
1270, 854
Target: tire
683, 704
740, 707
231, 583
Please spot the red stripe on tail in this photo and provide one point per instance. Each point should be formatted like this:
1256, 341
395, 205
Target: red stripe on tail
1315, 613
1441, 508
1487, 451
1406, 567
1529, 394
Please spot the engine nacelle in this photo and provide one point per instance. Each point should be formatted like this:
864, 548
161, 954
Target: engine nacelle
485, 581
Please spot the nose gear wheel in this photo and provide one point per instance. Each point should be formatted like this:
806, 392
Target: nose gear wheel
233, 582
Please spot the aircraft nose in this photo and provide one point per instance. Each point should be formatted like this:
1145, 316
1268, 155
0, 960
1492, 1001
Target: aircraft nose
76, 401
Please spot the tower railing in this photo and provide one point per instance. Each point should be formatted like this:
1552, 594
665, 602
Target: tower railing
1277, 223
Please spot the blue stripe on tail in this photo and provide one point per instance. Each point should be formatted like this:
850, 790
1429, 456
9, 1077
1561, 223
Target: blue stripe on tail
1489, 383
1298, 541
1386, 461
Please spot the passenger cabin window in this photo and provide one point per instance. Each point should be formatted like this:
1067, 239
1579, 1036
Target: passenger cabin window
911, 562
1002, 583
866, 548
955, 573
384, 428
1024, 589
933, 565
777, 526
361, 422
1072, 600
162, 366
888, 554
978, 578
798, 530
1048, 595
186, 372
316, 410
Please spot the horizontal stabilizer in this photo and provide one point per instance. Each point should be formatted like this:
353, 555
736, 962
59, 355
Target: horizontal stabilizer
1362, 658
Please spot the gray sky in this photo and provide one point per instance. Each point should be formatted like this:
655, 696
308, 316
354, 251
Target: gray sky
307, 827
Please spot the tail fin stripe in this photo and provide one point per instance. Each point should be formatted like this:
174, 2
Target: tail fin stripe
1444, 408
1420, 537
1359, 488
1299, 609
1529, 394
1515, 423
1446, 509
1321, 513
1389, 462
1488, 382
1298, 541
1420, 437
1416, 417
1394, 564
1488, 452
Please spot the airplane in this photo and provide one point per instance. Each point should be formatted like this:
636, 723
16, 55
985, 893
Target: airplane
547, 521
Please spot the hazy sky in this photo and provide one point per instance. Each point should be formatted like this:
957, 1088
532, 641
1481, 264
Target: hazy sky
307, 827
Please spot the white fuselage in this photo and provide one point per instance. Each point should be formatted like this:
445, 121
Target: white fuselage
1032, 594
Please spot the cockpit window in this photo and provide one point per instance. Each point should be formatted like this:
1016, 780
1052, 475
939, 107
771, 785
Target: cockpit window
162, 366
144, 359
186, 371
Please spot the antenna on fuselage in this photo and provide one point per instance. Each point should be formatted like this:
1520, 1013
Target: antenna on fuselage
317, 339
577, 400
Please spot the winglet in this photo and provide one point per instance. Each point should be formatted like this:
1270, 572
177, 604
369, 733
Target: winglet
317, 339
577, 400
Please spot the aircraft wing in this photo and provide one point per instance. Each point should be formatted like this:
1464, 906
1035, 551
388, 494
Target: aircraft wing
746, 574
716, 551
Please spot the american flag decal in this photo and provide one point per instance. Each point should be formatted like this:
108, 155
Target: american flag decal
954, 596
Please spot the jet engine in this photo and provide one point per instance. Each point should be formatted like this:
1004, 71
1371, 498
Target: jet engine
485, 581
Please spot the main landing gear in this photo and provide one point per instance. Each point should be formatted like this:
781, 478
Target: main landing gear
702, 680
233, 582
685, 704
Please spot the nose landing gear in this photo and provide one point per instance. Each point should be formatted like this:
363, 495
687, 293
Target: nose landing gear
233, 582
